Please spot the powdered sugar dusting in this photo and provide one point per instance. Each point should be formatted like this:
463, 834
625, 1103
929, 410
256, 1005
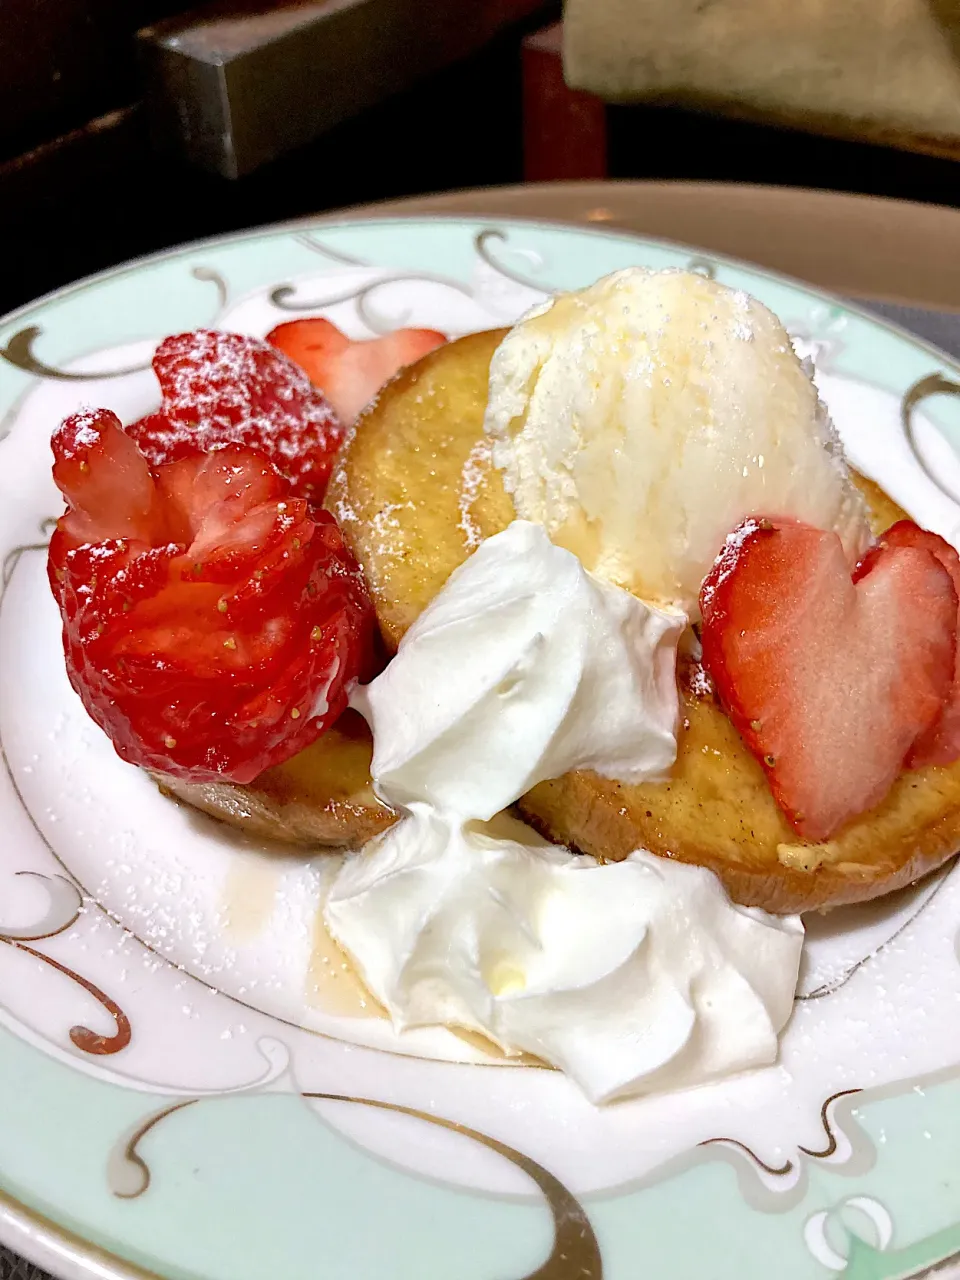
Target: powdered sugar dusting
728, 559
700, 683
343, 509
225, 388
80, 431
344, 512
86, 434
742, 305
385, 528
478, 463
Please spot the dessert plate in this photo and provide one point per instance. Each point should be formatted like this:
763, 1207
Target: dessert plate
191, 1084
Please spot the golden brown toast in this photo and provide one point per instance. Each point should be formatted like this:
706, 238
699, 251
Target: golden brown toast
415, 491
323, 796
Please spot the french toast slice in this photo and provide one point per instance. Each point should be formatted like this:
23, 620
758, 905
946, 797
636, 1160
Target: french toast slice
322, 796
415, 491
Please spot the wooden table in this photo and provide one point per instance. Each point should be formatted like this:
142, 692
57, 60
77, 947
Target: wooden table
862, 246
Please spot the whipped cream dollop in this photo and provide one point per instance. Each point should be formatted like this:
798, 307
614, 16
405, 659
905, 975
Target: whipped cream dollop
630, 977
641, 419
523, 667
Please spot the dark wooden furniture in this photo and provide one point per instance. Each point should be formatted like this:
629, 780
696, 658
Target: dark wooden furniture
234, 85
245, 111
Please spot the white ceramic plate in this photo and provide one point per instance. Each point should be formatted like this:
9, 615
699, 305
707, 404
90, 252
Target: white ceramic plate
186, 1092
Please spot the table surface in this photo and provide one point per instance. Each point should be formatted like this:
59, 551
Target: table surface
897, 258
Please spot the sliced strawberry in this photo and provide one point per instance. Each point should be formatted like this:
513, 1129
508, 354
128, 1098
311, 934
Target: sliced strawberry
220, 634
105, 478
233, 509
830, 681
224, 388
351, 373
941, 743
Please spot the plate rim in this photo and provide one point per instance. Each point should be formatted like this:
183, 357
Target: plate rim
336, 219
28, 1234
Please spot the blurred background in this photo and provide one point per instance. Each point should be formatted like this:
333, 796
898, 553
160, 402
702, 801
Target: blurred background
130, 125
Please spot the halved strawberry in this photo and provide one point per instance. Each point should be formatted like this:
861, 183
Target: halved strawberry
225, 388
350, 373
941, 742
830, 681
213, 622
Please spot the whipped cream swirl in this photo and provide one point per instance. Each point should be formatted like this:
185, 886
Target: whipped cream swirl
630, 977
523, 667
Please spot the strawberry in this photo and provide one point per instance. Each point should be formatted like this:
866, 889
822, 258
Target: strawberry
350, 373
109, 468
830, 679
941, 743
213, 621
224, 388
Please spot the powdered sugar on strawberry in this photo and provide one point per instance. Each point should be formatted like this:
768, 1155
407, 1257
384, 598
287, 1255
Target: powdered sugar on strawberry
226, 388
726, 561
86, 434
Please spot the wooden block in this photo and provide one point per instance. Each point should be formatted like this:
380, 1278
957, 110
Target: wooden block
232, 86
564, 130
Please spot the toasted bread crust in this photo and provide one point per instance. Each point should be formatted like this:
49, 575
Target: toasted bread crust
415, 490
717, 811
323, 796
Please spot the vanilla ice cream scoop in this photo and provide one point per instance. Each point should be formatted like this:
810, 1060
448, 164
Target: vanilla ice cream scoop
641, 419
